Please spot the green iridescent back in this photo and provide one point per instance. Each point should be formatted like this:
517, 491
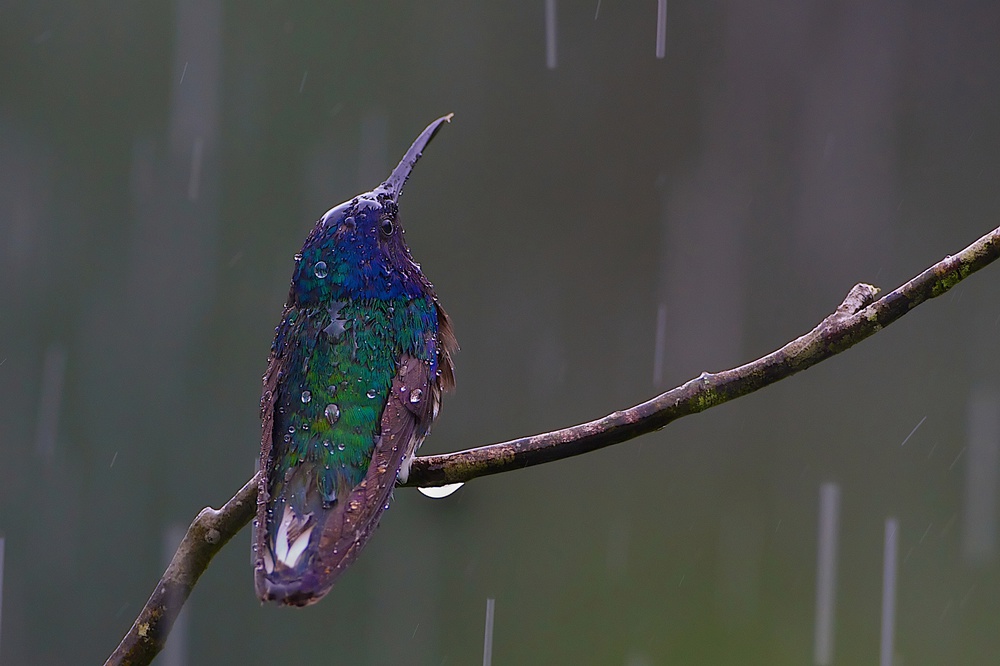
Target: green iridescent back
336, 384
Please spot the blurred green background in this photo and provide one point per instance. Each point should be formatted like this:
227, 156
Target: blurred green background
601, 224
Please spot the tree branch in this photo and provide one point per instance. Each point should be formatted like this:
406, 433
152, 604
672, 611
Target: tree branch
209, 532
858, 317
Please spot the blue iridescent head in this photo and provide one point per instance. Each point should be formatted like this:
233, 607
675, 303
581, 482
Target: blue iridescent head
357, 250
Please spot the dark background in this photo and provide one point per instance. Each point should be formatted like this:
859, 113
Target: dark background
599, 231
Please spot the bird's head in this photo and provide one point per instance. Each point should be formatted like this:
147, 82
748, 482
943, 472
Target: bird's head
357, 249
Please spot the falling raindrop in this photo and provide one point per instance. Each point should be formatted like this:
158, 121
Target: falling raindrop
659, 351
53, 375
889, 567
550, 34
907, 438
826, 573
170, 540
661, 29
320, 270
979, 516
306, 396
332, 413
194, 180
415, 395
488, 636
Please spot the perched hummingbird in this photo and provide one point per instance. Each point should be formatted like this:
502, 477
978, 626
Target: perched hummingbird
353, 382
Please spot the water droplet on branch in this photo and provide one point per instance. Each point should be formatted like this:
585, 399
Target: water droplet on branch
440, 492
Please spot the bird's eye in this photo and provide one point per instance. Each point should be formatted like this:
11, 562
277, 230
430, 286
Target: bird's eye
386, 226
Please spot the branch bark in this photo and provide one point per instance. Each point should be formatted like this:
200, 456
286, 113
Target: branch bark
860, 315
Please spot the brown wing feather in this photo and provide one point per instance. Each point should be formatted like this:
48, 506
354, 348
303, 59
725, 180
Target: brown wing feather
268, 398
403, 426
447, 345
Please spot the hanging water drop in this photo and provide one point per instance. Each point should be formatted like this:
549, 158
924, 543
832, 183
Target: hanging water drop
440, 492
415, 395
306, 396
320, 270
371, 393
332, 413
341, 446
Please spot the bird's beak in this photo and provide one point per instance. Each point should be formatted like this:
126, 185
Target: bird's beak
393, 186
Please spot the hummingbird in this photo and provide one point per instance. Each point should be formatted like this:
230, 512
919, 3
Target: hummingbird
354, 380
